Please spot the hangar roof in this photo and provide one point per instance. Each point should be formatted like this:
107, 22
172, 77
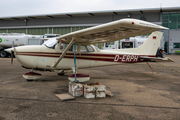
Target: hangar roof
93, 13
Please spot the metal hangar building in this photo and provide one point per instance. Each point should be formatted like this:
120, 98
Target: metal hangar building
68, 22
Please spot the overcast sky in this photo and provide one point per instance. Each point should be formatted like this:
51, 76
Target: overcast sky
10, 8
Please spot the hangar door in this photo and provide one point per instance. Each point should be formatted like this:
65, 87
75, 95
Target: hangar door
174, 40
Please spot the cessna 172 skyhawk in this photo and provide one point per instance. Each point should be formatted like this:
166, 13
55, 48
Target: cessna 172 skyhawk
57, 54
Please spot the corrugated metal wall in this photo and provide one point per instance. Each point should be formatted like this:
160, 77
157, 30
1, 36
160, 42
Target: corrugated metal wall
42, 31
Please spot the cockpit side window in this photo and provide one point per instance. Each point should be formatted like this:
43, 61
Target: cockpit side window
64, 45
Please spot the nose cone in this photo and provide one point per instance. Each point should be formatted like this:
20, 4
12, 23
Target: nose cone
27, 56
9, 50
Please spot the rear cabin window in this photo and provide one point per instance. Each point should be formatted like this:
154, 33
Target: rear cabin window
85, 48
90, 49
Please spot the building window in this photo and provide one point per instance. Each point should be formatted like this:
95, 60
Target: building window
176, 45
171, 21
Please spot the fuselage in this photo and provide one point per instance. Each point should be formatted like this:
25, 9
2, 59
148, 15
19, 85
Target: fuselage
42, 57
60, 55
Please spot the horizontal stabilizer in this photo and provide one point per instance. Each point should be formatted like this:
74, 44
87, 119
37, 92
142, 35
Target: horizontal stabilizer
166, 59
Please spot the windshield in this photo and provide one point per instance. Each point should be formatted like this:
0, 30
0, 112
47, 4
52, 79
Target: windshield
50, 43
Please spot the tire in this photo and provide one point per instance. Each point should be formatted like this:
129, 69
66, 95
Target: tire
3, 54
29, 80
61, 74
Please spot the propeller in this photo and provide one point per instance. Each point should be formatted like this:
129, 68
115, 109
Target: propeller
12, 52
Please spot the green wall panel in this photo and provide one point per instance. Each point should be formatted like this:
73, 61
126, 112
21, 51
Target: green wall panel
65, 30
37, 31
3, 31
16, 30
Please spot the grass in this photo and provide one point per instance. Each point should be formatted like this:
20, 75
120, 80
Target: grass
177, 51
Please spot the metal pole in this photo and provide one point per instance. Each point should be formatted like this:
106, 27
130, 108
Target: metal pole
75, 60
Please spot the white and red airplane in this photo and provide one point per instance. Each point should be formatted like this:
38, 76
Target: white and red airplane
75, 50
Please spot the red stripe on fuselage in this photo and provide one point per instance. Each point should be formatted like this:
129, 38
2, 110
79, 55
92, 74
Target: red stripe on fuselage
89, 56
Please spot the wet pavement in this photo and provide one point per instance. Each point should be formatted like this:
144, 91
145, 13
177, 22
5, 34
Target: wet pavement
138, 92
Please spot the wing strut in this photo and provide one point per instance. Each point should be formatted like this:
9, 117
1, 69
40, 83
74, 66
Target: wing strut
64, 52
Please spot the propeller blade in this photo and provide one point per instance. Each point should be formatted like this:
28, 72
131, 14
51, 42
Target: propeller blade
12, 53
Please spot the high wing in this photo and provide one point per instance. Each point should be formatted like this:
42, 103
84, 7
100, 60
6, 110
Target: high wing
112, 31
108, 32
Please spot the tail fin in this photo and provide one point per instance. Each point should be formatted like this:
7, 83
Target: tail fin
150, 46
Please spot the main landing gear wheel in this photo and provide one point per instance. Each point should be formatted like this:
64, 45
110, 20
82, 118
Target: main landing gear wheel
61, 74
29, 80
30, 76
